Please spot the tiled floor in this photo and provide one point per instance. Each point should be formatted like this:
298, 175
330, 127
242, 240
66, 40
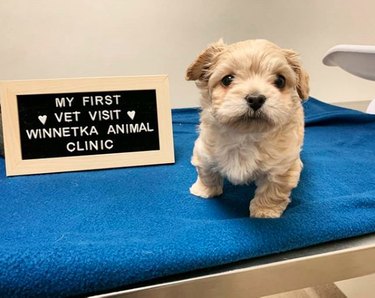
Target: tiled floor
322, 291
361, 287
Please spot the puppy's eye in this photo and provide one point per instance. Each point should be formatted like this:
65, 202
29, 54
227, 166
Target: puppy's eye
280, 81
227, 80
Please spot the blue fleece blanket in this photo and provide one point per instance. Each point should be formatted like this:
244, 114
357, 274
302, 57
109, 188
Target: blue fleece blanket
91, 232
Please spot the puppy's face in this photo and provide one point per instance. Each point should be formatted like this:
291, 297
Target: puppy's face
250, 83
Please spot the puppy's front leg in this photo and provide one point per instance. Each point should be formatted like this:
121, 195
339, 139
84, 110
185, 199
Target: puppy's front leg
272, 193
208, 184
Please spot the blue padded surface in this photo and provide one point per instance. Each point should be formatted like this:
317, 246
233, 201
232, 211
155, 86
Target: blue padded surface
94, 231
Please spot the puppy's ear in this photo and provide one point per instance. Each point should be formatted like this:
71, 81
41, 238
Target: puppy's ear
199, 67
302, 76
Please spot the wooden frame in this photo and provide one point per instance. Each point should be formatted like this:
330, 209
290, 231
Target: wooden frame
16, 165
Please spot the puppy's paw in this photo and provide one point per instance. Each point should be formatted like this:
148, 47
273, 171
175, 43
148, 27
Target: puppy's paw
200, 190
271, 211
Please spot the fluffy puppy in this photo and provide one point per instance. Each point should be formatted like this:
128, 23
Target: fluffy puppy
251, 123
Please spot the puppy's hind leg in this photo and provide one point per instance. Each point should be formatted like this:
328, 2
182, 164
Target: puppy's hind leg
273, 192
209, 184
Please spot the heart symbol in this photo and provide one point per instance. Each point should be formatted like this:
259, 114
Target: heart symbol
42, 119
131, 114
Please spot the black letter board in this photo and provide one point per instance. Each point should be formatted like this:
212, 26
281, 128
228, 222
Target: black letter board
71, 124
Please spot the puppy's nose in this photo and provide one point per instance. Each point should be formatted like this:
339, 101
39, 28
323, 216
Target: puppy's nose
255, 101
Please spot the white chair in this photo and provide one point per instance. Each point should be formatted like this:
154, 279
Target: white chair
358, 60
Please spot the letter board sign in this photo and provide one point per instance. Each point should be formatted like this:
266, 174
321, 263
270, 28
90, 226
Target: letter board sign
78, 124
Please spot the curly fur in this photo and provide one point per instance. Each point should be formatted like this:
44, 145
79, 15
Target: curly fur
242, 144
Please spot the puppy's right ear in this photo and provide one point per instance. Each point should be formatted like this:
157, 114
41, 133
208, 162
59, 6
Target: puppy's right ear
201, 64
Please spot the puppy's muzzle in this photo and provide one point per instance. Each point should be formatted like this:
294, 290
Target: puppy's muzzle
255, 101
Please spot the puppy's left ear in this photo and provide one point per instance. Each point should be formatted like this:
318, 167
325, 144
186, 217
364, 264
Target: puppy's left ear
294, 61
198, 69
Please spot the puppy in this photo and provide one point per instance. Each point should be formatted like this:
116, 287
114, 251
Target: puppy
251, 122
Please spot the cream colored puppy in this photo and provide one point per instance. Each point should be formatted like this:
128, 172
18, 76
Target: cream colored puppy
252, 122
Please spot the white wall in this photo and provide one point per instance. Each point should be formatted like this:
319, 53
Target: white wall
75, 38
